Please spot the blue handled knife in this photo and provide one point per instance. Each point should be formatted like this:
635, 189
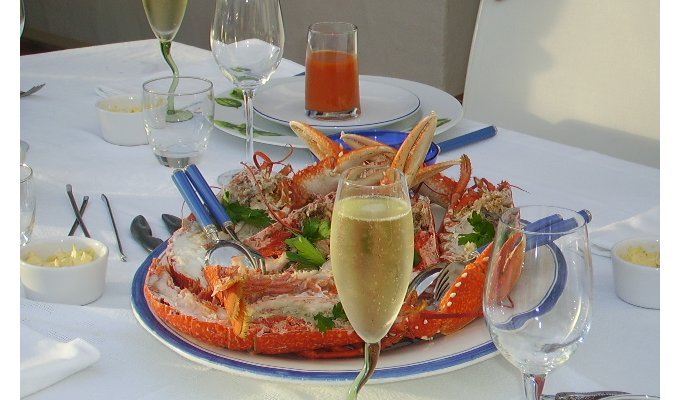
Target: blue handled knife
468, 138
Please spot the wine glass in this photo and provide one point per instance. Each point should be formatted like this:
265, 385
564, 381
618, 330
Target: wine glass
537, 297
371, 254
22, 18
165, 18
247, 42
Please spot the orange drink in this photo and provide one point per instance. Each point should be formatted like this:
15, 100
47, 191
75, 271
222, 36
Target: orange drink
332, 72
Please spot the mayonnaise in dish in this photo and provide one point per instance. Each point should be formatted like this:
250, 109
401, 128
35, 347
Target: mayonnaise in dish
62, 258
639, 255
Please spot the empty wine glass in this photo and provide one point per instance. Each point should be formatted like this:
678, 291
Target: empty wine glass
537, 297
371, 255
247, 42
165, 18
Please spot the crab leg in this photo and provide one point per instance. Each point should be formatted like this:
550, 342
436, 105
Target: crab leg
412, 153
319, 144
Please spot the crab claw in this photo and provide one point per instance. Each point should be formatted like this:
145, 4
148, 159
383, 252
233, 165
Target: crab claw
322, 178
319, 144
412, 153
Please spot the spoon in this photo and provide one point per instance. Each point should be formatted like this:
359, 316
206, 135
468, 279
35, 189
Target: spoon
31, 90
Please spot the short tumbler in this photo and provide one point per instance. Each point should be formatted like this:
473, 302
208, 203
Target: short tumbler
178, 141
332, 71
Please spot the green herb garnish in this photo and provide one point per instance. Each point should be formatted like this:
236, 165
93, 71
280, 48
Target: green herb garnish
315, 229
324, 322
416, 257
307, 255
483, 231
239, 213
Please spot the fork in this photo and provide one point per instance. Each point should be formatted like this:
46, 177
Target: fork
31, 90
446, 278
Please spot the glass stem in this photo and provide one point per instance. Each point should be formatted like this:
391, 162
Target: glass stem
371, 353
165, 50
248, 102
533, 386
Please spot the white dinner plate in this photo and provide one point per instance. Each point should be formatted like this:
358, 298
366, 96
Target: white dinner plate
447, 107
381, 104
468, 346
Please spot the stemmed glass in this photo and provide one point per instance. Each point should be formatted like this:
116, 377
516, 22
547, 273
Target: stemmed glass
247, 42
165, 18
537, 297
22, 18
371, 254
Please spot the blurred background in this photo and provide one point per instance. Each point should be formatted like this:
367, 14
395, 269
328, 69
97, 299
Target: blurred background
424, 41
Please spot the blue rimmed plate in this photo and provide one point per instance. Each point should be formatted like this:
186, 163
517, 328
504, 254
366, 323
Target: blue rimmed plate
467, 347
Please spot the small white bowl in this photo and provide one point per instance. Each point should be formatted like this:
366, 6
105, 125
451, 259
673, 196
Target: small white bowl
121, 120
78, 284
635, 283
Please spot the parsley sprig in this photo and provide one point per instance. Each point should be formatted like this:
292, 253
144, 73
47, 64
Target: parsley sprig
306, 254
326, 322
483, 231
251, 216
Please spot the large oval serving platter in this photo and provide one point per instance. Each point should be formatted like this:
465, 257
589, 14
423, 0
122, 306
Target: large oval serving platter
419, 359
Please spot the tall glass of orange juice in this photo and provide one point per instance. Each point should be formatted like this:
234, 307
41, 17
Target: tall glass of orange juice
332, 71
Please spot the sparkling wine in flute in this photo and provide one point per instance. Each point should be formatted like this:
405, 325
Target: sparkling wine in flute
165, 17
372, 258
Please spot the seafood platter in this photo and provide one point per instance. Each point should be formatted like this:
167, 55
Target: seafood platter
283, 320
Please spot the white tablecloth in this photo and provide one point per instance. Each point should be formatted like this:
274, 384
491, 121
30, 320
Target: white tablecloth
621, 352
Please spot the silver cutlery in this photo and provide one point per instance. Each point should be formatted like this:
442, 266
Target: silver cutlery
115, 230
31, 90
69, 191
82, 211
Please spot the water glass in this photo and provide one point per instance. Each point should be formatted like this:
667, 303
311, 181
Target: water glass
27, 204
538, 291
332, 71
178, 117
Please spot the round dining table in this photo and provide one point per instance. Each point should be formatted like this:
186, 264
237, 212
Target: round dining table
59, 123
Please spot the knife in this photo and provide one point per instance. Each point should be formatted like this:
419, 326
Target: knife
468, 138
582, 395
141, 232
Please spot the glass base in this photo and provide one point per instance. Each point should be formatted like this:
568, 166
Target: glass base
178, 116
175, 162
334, 115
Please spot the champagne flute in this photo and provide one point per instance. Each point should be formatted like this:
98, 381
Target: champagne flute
537, 297
165, 18
22, 18
371, 254
247, 42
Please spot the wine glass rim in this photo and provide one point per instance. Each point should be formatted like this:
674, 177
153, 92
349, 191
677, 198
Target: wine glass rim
509, 215
208, 87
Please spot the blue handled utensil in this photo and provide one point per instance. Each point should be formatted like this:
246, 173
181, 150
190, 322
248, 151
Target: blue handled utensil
204, 215
468, 138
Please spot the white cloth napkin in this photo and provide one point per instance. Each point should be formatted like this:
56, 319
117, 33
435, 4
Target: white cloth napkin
45, 361
643, 224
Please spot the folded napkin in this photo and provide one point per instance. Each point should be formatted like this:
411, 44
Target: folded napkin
45, 361
643, 224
